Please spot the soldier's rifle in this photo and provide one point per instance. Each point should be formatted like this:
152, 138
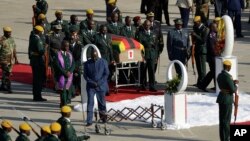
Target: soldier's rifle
26, 119
12, 127
236, 102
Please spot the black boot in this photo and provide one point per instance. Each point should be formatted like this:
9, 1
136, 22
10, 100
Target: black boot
3, 88
9, 88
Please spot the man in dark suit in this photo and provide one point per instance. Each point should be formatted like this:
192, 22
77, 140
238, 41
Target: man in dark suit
96, 74
114, 27
90, 16
227, 86
162, 5
128, 30
234, 11
59, 20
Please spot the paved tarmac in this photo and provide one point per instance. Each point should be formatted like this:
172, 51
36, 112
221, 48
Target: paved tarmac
17, 14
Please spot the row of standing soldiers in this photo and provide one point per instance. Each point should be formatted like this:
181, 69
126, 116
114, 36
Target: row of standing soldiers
62, 129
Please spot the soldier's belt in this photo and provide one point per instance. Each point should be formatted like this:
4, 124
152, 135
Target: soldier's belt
180, 48
224, 91
35, 53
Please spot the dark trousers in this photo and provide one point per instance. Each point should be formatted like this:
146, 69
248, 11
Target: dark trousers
38, 71
149, 67
143, 5
184, 16
225, 112
100, 95
158, 10
200, 60
220, 7
210, 75
236, 17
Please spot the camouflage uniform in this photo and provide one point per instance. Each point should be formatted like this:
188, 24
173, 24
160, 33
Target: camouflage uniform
7, 48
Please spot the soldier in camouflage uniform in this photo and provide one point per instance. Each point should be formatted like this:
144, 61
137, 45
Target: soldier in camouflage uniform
90, 16
7, 55
68, 132
5, 130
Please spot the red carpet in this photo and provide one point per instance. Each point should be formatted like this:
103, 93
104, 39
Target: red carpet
22, 73
242, 123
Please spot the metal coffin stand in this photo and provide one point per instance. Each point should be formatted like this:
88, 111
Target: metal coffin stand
129, 61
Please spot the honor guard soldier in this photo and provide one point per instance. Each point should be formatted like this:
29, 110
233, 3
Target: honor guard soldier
7, 55
68, 132
178, 45
5, 130
59, 20
199, 35
55, 128
36, 56
227, 86
24, 132
44, 23
45, 132
90, 16
41, 7
149, 40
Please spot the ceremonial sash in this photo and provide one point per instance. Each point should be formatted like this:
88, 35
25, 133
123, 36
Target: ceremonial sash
64, 82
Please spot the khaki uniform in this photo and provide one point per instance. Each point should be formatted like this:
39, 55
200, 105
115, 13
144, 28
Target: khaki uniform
7, 47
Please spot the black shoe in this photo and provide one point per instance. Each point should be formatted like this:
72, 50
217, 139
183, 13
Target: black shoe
39, 99
213, 88
203, 89
10, 91
152, 90
143, 88
88, 124
86, 137
240, 36
168, 24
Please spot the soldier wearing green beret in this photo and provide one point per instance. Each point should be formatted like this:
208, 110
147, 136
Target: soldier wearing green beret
68, 132
7, 55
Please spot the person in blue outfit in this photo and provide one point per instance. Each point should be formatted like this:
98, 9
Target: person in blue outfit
178, 45
96, 74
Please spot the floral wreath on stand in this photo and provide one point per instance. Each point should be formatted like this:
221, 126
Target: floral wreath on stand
172, 85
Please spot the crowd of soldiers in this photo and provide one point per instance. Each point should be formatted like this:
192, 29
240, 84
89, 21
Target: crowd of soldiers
62, 129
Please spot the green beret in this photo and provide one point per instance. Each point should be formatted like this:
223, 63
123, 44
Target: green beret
74, 28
